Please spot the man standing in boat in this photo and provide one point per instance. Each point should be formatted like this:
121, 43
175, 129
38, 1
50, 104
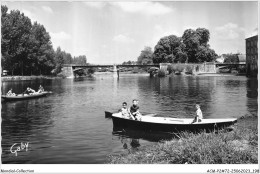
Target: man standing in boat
199, 116
134, 110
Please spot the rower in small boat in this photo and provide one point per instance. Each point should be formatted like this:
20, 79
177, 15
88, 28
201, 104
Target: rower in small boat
40, 90
134, 110
29, 91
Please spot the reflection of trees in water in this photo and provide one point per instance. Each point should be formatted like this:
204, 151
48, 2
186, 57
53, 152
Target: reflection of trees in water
252, 95
179, 94
252, 88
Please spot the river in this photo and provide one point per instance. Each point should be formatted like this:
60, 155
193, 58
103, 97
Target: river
69, 125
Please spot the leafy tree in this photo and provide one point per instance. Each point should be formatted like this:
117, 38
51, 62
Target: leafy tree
27, 48
15, 33
204, 36
41, 51
80, 60
205, 54
67, 58
231, 58
169, 49
129, 63
196, 45
145, 56
59, 61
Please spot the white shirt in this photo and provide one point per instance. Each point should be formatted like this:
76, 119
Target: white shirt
199, 114
125, 112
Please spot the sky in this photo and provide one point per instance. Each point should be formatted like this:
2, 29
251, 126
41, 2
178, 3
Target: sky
111, 32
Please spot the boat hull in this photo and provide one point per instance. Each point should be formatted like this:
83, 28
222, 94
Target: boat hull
24, 97
122, 123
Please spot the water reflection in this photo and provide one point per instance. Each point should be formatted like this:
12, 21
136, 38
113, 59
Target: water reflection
148, 136
252, 96
252, 88
23, 121
176, 96
70, 122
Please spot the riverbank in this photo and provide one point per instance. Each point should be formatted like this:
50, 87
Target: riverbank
219, 74
24, 78
239, 146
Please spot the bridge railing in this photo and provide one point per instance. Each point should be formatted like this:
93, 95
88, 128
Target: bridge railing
117, 65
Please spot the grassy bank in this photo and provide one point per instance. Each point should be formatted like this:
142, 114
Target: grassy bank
239, 146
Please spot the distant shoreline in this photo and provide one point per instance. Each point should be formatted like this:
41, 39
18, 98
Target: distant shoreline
25, 78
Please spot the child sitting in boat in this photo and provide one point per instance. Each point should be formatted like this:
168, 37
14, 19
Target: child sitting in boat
124, 111
40, 90
134, 110
199, 116
10, 93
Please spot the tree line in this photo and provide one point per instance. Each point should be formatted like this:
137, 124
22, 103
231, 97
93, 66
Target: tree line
192, 47
26, 47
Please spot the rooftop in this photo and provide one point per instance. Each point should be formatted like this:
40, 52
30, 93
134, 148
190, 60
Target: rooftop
252, 37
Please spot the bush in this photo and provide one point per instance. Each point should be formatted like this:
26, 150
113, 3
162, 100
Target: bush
161, 73
135, 70
189, 69
170, 69
179, 67
242, 69
61, 75
91, 71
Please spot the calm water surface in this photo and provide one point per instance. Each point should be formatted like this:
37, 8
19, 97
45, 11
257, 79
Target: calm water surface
69, 126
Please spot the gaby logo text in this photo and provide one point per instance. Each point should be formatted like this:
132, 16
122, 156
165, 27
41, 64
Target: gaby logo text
18, 147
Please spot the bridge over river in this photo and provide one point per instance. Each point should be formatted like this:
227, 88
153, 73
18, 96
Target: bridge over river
70, 70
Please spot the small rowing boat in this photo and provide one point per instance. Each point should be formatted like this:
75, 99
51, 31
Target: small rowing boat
25, 96
169, 124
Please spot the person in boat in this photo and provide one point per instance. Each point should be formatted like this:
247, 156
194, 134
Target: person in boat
125, 112
134, 111
40, 90
199, 116
10, 93
29, 91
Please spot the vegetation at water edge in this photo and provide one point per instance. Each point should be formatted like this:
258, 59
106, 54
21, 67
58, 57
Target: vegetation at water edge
161, 73
239, 146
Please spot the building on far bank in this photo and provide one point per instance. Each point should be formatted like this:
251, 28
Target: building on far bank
241, 58
220, 59
252, 56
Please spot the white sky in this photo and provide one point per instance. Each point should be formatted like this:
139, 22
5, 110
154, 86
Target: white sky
113, 32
